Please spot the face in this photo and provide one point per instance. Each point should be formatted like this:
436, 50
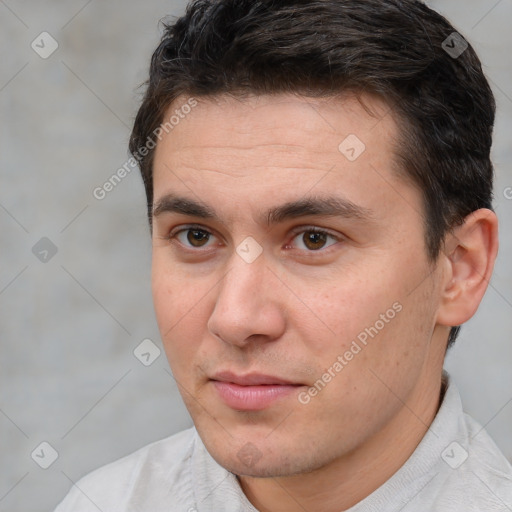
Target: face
290, 278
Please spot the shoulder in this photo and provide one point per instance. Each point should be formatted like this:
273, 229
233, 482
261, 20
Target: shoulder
142, 477
457, 467
477, 474
488, 464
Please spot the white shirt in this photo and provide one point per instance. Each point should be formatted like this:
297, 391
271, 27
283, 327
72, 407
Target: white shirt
456, 467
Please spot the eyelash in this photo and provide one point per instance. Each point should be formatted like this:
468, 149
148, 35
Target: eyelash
295, 232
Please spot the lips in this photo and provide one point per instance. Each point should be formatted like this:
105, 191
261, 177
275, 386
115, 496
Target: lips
252, 392
253, 379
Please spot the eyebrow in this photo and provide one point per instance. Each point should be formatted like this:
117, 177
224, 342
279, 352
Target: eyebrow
331, 206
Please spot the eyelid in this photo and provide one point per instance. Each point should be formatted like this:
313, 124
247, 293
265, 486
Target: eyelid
186, 227
295, 231
316, 229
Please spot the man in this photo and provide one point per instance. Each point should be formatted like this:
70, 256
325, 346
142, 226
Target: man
319, 191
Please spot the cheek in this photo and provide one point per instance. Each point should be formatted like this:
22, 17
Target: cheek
174, 294
179, 312
370, 318
339, 314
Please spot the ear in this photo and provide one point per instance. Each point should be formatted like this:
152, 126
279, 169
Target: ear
469, 255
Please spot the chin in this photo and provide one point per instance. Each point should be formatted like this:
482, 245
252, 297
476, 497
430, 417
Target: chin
263, 458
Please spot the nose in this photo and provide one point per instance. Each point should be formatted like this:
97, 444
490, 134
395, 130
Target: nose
247, 307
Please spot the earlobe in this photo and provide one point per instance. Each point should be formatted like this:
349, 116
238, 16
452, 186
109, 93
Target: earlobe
469, 256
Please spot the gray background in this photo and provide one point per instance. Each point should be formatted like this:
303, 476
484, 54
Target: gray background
68, 326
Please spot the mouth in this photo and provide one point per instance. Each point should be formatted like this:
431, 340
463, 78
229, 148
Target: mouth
252, 392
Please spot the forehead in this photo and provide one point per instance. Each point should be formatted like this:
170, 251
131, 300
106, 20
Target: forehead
277, 127
261, 148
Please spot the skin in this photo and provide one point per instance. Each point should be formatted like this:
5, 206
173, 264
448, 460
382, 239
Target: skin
297, 307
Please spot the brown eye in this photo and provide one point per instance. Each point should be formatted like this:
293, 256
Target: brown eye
197, 237
313, 240
191, 237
